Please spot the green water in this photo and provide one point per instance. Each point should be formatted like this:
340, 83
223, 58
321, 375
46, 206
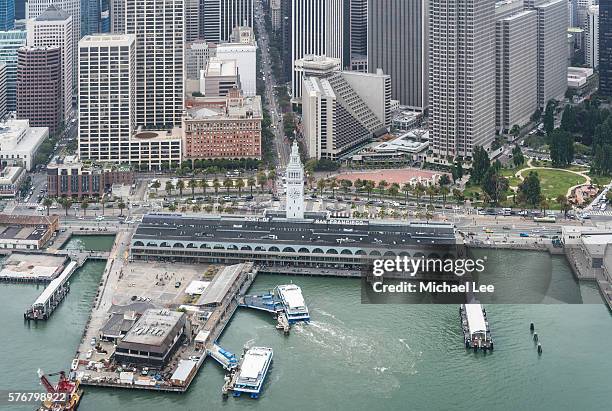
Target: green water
358, 357
91, 243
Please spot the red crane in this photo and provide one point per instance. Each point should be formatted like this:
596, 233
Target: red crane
63, 385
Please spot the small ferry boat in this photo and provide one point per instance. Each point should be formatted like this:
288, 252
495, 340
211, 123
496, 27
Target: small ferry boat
252, 371
476, 330
293, 302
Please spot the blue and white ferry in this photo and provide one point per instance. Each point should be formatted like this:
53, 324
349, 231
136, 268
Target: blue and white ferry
252, 371
291, 298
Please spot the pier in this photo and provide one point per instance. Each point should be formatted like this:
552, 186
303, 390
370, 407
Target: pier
52, 295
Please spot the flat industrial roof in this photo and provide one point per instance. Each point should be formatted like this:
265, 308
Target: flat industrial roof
154, 327
220, 285
184, 369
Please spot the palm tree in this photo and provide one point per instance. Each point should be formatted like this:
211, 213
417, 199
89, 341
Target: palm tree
204, 185
181, 186
458, 195
251, 182
103, 200
228, 183
544, 205
418, 189
261, 180
444, 191
239, 185
47, 202
66, 203
321, 185
169, 187
346, 185
84, 205
156, 184
565, 205
382, 185
394, 190
121, 206
196, 208
406, 188
333, 185
193, 184
216, 185
431, 192
369, 186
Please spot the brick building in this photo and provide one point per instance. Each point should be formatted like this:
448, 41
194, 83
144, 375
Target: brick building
71, 178
223, 127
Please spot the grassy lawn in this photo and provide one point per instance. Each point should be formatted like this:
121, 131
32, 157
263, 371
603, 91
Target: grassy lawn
601, 180
509, 174
555, 182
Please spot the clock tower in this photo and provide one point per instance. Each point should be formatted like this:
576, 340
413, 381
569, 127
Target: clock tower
295, 185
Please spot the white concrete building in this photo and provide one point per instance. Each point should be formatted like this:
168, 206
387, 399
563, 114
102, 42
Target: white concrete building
317, 29
106, 110
2, 89
461, 77
197, 54
19, 143
117, 16
242, 49
159, 26
53, 27
516, 65
35, 8
10, 180
591, 53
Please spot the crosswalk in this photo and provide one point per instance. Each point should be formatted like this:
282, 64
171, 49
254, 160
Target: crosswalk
598, 212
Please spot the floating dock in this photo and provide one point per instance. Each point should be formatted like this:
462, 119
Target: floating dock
476, 330
249, 375
52, 295
285, 302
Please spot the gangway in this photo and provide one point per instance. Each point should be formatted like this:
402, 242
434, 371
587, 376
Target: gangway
265, 302
52, 295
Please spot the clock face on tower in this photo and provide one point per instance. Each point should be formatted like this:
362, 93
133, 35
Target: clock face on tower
294, 193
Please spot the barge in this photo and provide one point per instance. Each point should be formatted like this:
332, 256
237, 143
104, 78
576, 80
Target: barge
292, 301
251, 372
476, 329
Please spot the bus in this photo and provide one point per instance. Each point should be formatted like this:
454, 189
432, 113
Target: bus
547, 219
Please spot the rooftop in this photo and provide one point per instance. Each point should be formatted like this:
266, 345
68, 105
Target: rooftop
221, 68
155, 328
220, 285
235, 108
149, 135
53, 13
18, 135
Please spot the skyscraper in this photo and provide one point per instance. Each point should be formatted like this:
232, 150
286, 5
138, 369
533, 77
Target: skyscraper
210, 20
7, 15
160, 39
192, 20
591, 53
106, 108
39, 86
219, 17
2, 90
358, 34
317, 29
516, 65
461, 76
117, 16
10, 41
397, 43
53, 27
605, 47
552, 48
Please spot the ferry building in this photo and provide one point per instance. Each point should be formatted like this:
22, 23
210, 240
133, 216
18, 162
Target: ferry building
292, 237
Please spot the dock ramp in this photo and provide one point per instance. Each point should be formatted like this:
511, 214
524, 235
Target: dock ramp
265, 302
223, 357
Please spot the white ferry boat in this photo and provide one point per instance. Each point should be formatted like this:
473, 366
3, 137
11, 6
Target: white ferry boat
252, 371
476, 330
293, 302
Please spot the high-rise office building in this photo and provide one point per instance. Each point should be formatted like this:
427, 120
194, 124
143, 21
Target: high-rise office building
317, 29
106, 108
605, 47
358, 34
286, 40
192, 20
10, 41
197, 54
516, 65
160, 40
219, 17
73, 8
2, 90
243, 49
7, 15
397, 43
53, 27
117, 16
591, 53
20, 9
39, 86
461, 77
552, 49
275, 14
582, 10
